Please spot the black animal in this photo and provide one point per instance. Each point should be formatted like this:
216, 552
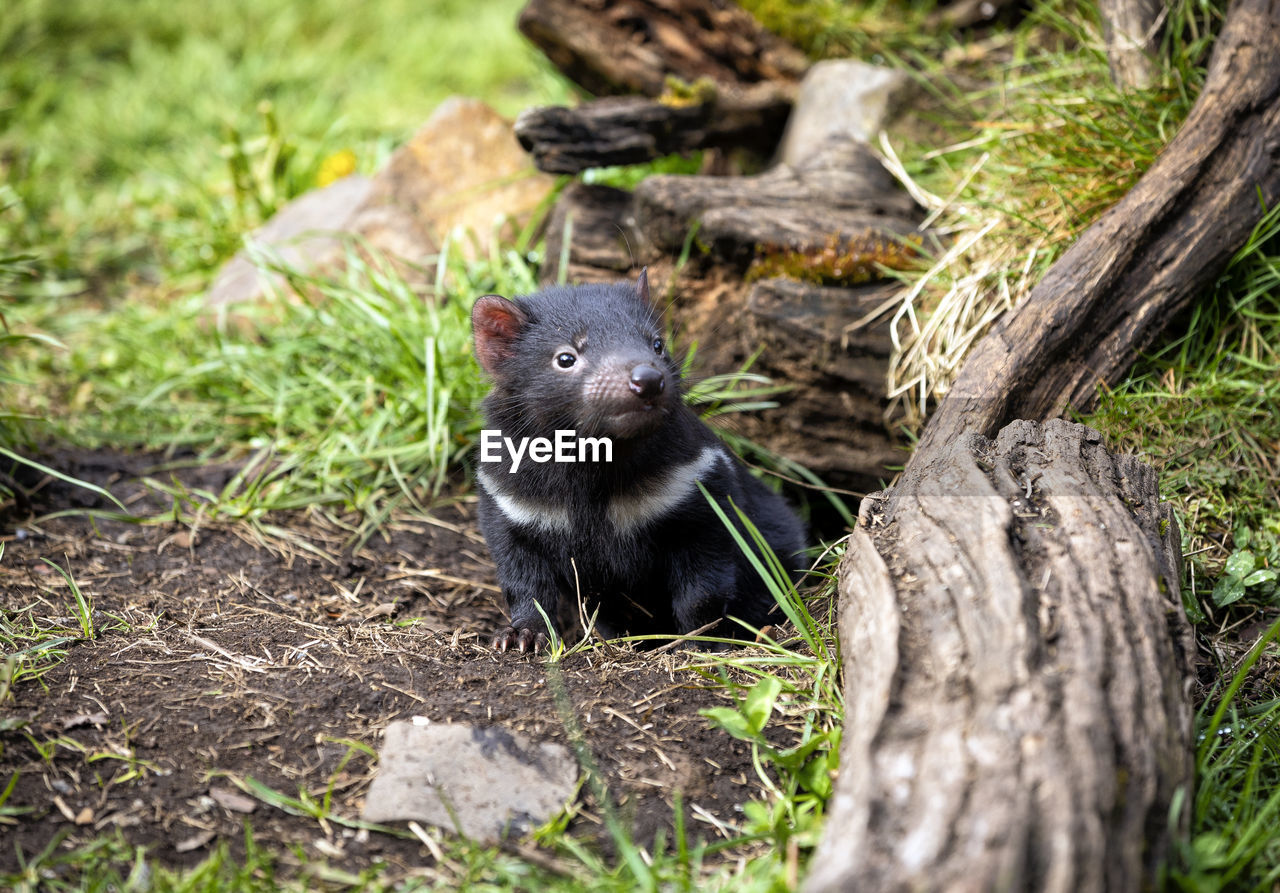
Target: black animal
633, 537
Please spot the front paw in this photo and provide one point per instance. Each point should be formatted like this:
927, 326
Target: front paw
525, 639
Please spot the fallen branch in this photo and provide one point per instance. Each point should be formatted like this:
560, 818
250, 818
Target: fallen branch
1114, 292
1015, 655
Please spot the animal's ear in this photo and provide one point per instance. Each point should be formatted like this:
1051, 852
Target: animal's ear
496, 323
642, 286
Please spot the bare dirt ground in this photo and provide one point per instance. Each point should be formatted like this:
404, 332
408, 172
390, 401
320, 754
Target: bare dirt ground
222, 660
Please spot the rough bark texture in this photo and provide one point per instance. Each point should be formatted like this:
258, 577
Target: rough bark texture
834, 419
1015, 654
1014, 639
632, 129
841, 193
1131, 29
1117, 288
630, 46
604, 242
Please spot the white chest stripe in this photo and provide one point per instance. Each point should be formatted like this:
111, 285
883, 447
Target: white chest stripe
633, 510
552, 519
626, 513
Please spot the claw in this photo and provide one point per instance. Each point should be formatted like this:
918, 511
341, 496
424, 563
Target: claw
504, 638
524, 639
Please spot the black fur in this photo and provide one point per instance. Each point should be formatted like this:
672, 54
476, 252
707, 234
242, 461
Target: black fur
675, 573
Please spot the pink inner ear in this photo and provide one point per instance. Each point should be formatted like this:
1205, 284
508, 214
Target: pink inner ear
642, 285
495, 323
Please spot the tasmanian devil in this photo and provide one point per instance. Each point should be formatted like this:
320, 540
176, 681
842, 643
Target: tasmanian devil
629, 532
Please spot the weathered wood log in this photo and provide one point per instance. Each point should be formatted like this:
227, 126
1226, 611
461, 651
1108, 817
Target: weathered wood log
834, 420
1015, 654
841, 193
630, 46
604, 241
1127, 277
632, 129
1011, 619
1131, 30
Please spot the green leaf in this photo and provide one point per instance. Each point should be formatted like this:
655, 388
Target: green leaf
1240, 564
758, 704
803, 751
1266, 575
732, 721
758, 814
1228, 590
816, 775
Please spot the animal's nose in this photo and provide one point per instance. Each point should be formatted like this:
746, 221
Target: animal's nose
647, 382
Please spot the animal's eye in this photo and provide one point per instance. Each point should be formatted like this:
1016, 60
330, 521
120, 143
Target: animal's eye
657, 346
565, 359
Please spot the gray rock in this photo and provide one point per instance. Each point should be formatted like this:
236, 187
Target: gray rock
841, 97
496, 783
303, 234
462, 172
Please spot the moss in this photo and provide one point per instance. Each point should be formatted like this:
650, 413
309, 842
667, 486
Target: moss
680, 94
843, 260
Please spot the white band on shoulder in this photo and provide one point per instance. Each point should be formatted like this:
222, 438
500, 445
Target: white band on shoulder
552, 519
652, 501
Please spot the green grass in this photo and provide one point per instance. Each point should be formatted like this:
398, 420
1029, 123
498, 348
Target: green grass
138, 144
31, 643
1203, 409
110, 863
1233, 842
877, 30
359, 396
1013, 166
118, 121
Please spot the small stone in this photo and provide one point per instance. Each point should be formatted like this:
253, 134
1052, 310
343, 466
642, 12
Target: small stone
303, 234
497, 783
195, 842
841, 97
462, 172
232, 800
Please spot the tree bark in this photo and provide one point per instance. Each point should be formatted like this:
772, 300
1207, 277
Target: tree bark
1131, 29
1014, 641
604, 242
630, 46
631, 129
835, 419
740, 81
1129, 275
841, 193
1015, 653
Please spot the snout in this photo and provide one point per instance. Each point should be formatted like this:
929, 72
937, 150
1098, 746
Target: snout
647, 383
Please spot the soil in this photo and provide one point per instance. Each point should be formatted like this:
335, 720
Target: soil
227, 656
